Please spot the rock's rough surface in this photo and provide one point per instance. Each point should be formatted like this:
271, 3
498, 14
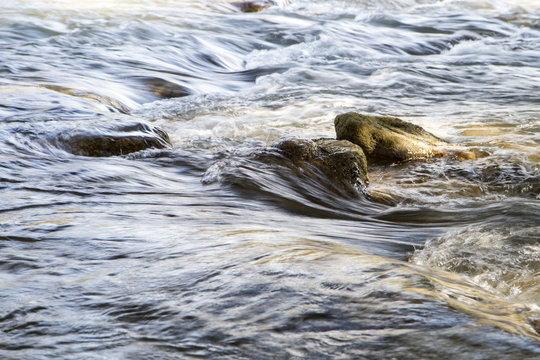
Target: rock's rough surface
387, 139
120, 140
300, 164
340, 161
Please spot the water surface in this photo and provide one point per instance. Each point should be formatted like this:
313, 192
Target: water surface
199, 250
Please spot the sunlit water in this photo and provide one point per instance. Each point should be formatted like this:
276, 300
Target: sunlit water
199, 251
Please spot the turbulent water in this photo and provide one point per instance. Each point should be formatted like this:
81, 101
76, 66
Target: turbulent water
200, 251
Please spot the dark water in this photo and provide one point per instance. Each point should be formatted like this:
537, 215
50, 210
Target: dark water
200, 251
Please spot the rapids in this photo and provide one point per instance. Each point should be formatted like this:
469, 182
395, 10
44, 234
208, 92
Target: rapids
198, 250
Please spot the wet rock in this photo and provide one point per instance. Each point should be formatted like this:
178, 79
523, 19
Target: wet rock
386, 138
304, 165
115, 141
164, 89
252, 6
341, 161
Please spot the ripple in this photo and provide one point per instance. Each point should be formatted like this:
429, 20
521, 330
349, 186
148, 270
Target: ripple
205, 249
500, 258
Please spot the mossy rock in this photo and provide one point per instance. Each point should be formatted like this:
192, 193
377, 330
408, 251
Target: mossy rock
339, 160
387, 139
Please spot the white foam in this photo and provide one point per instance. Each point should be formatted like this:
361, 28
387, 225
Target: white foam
501, 259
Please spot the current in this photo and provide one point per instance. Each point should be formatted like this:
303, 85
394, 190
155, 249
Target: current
195, 251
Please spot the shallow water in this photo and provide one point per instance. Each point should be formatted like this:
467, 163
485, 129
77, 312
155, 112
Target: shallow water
201, 251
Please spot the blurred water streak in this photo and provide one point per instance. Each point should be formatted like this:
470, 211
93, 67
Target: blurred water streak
199, 250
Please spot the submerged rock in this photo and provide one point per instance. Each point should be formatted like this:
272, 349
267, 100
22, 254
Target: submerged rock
164, 89
252, 6
386, 138
115, 141
339, 160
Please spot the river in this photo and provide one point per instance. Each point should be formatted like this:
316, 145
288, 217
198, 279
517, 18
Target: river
198, 251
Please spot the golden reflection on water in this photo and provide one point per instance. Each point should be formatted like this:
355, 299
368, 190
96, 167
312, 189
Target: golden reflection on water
344, 264
517, 138
463, 295
484, 131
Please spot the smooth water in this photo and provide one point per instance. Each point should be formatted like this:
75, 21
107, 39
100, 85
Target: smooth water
199, 251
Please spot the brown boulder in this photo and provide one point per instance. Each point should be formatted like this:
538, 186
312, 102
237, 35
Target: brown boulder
340, 161
386, 138
113, 141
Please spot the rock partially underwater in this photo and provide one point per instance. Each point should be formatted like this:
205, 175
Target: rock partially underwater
162, 88
387, 139
341, 161
252, 6
113, 141
338, 165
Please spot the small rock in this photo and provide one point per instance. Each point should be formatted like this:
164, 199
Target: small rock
121, 140
252, 6
164, 89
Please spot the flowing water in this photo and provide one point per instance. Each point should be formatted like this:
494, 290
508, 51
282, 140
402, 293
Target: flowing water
199, 251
